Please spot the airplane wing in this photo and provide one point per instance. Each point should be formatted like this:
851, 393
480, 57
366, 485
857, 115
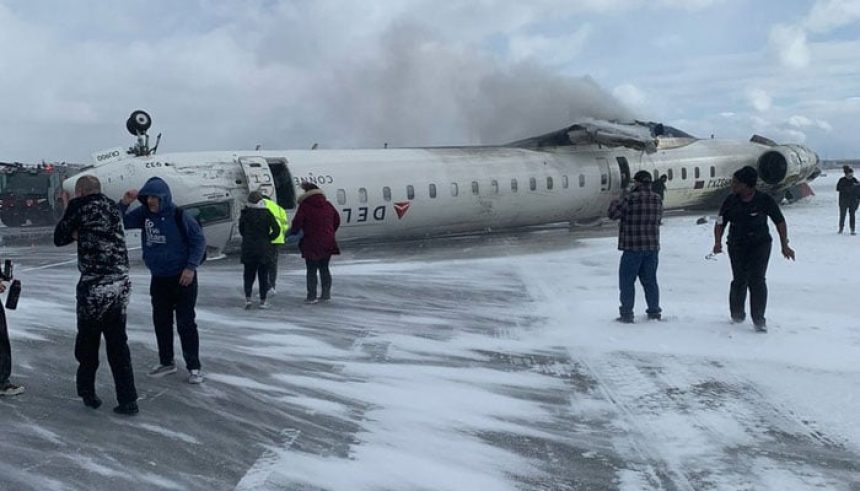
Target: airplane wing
596, 132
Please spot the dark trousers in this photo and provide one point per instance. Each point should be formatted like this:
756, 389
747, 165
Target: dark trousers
273, 266
849, 208
325, 277
749, 267
642, 265
261, 271
5, 348
111, 325
168, 296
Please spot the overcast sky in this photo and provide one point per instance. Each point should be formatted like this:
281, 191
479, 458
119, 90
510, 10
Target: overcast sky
230, 74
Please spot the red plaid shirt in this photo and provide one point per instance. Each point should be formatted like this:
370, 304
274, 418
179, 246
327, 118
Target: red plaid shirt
640, 212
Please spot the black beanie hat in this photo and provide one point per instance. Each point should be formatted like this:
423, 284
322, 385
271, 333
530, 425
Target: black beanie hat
747, 175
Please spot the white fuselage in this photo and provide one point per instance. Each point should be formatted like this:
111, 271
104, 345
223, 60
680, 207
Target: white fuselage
399, 193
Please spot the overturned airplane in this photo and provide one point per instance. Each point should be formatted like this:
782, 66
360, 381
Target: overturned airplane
568, 175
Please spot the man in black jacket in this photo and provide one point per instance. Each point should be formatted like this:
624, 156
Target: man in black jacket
749, 242
848, 188
94, 221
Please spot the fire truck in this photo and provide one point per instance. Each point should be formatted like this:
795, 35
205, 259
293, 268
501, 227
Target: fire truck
32, 195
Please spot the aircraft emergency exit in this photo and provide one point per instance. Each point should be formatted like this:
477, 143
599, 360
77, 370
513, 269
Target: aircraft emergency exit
569, 175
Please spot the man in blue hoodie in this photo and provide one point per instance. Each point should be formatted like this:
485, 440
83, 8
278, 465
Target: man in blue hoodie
173, 248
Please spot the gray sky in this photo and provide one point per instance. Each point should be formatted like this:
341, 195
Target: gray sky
218, 74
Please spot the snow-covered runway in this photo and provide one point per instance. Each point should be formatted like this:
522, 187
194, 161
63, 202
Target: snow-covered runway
463, 364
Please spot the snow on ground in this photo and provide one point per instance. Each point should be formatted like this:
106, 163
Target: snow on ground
462, 364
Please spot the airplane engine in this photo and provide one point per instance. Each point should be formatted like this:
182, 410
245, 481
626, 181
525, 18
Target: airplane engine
786, 165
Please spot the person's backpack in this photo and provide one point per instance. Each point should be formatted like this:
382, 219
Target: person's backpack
183, 231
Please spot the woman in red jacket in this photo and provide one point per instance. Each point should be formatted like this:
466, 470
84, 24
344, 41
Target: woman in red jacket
318, 221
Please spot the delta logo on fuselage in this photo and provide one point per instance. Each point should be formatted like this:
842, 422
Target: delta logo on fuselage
364, 214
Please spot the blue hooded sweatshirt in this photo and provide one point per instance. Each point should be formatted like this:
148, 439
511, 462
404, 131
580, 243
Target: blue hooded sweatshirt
165, 251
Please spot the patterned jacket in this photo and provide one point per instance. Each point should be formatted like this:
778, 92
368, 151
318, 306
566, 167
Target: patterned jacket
640, 212
102, 253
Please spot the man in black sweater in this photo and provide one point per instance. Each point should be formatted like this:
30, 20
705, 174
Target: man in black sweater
747, 210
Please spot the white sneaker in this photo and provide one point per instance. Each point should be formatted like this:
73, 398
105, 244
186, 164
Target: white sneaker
264, 305
195, 377
162, 370
272, 291
247, 304
9, 389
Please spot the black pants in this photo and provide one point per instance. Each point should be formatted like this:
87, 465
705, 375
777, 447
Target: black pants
850, 208
325, 278
5, 348
168, 296
111, 325
749, 266
273, 266
261, 271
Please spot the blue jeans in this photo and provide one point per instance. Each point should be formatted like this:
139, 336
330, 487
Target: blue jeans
641, 264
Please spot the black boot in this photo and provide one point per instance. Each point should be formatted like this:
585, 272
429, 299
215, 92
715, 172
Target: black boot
92, 401
127, 408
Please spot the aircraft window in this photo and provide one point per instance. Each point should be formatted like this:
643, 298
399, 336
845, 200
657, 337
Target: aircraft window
362, 195
713, 171
495, 184
210, 212
669, 174
696, 172
549, 183
683, 172
341, 196
565, 183
474, 187
410, 192
514, 185
454, 189
604, 179
532, 183
582, 180
386, 193
432, 190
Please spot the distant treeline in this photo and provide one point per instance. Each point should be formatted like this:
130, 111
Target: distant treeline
835, 164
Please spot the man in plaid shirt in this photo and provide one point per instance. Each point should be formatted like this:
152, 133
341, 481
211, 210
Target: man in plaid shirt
640, 211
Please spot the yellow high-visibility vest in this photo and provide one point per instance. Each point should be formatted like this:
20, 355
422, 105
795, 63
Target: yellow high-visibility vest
281, 217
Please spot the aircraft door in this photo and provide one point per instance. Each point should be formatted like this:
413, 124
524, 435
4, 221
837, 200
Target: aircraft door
258, 175
624, 168
605, 174
286, 192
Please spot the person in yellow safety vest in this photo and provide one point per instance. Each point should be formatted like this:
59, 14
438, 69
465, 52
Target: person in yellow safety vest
283, 219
